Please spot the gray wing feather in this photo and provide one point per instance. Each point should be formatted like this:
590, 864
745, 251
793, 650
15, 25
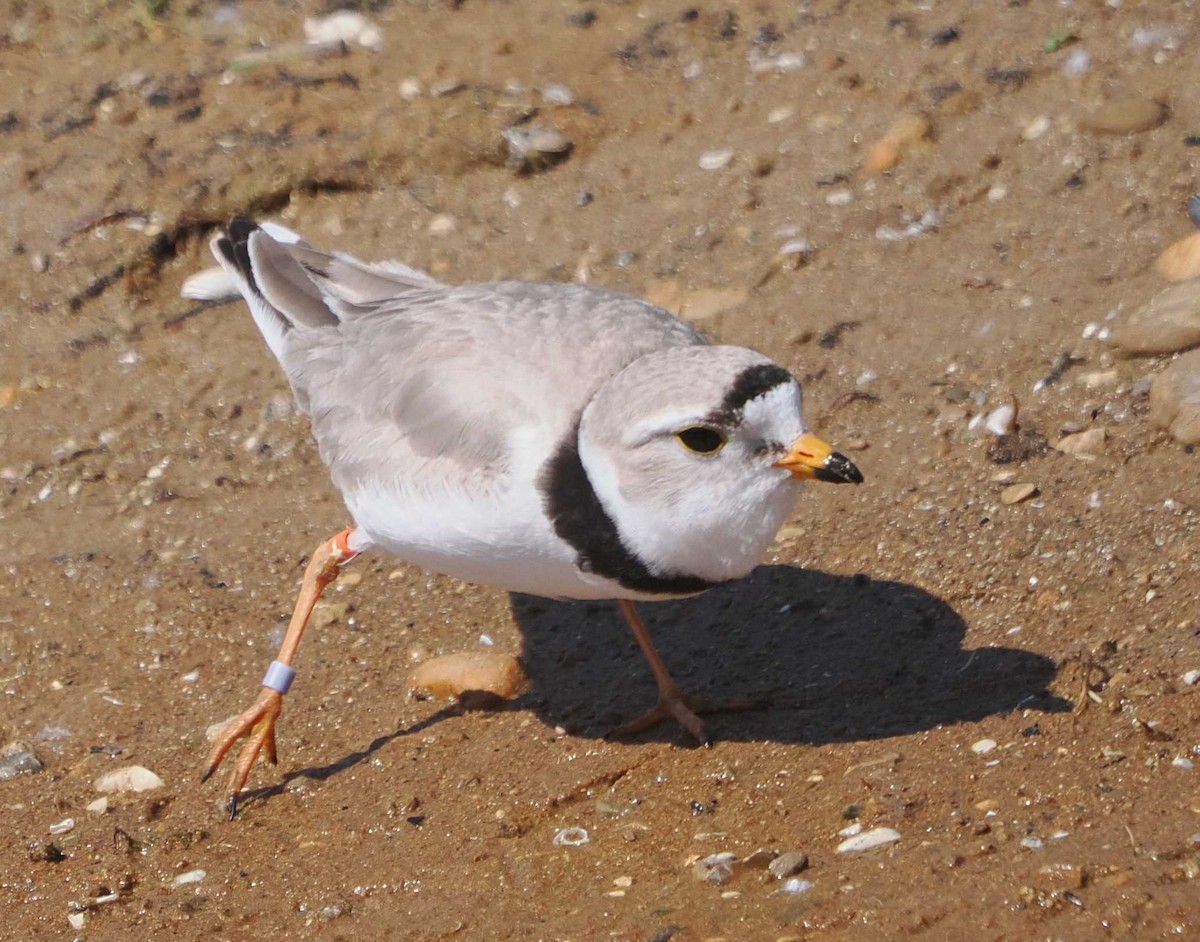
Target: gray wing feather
418, 385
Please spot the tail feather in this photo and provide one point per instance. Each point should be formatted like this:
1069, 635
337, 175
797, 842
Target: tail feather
288, 284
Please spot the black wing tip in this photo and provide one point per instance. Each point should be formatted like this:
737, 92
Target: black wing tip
241, 228
234, 247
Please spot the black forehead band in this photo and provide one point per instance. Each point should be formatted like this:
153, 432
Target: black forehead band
751, 383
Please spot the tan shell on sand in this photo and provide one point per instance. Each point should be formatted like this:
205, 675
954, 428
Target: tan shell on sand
471, 672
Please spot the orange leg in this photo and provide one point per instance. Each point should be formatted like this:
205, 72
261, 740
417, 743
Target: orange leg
258, 721
673, 703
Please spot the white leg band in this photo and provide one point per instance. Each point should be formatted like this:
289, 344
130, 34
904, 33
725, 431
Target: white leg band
279, 677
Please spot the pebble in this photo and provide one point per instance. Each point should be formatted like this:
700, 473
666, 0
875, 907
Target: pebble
1036, 128
983, 747
1032, 843
1167, 323
930, 219
1014, 494
1090, 442
716, 159
715, 868
839, 197
1124, 116
442, 224
1175, 400
796, 886
788, 864
908, 135
558, 94
454, 675
349, 26
1000, 421
1191, 678
1077, 62
18, 758
411, 89
535, 147
99, 806
65, 826
571, 837
1180, 260
131, 778
191, 876
876, 837
76, 920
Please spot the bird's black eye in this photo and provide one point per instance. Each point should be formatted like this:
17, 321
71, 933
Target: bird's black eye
701, 440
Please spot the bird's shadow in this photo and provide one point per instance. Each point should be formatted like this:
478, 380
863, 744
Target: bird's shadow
837, 658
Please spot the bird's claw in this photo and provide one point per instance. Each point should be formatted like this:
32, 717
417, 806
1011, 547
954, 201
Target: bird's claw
684, 709
257, 724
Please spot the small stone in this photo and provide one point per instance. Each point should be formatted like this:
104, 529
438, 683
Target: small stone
1032, 843
442, 224
410, 89
533, 148
327, 612
99, 806
1175, 400
1002, 419
39, 262
839, 197
190, 877
1168, 323
131, 778
796, 886
76, 920
1191, 678
716, 159
1124, 116
491, 673
558, 94
788, 864
349, 26
908, 135
1036, 128
1090, 442
983, 747
64, 826
876, 837
18, 758
1180, 260
1014, 494
716, 869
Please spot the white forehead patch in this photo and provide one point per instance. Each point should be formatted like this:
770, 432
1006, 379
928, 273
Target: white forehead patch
777, 410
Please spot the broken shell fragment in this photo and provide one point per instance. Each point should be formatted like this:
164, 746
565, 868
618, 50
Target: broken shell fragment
471, 672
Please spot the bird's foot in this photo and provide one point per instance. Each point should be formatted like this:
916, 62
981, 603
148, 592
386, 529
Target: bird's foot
684, 709
257, 724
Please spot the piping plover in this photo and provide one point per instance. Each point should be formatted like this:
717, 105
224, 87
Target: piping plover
554, 439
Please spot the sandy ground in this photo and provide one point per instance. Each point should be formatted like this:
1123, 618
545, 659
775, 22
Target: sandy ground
159, 496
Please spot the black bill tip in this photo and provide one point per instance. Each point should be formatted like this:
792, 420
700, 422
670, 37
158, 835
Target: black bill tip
838, 469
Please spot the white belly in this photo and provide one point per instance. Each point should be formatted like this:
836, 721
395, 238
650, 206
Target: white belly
506, 541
